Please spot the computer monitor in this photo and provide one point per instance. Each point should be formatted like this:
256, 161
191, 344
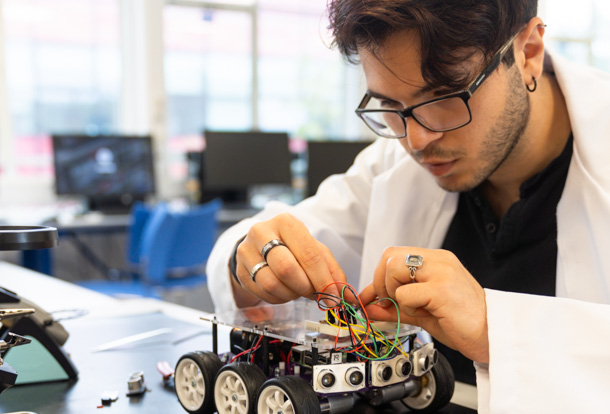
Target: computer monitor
325, 158
109, 171
233, 162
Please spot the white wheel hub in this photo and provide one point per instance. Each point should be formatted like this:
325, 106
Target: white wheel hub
273, 400
190, 388
230, 394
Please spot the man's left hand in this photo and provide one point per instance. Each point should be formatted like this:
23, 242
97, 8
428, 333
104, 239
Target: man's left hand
443, 298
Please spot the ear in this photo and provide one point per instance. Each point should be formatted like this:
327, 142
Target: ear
529, 50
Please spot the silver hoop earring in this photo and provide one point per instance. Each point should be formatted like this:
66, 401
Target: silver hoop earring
532, 88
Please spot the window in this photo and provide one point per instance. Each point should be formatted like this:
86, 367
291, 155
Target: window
63, 74
579, 32
208, 75
267, 67
301, 80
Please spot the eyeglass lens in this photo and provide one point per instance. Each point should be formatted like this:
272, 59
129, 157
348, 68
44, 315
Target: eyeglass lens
442, 115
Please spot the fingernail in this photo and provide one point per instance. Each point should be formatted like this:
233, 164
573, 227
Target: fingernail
384, 303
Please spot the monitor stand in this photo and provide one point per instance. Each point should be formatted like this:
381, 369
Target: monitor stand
112, 205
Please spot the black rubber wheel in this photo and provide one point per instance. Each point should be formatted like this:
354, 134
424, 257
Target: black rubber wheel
194, 380
437, 387
289, 394
236, 388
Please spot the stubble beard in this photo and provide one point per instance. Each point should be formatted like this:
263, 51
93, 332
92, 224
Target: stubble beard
503, 137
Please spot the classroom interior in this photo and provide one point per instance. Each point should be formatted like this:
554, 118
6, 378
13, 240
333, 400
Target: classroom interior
114, 112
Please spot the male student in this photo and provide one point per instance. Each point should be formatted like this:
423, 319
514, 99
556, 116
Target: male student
483, 209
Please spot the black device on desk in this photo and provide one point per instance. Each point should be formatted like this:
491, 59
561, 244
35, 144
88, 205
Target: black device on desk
233, 162
21, 317
110, 171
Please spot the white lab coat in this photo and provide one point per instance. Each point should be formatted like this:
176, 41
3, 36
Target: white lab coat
547, 355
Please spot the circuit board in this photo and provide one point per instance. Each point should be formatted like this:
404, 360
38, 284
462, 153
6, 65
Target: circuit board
301, 322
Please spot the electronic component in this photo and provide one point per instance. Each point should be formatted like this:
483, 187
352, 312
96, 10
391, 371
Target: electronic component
423, 359
325, 329
390, 371
136, 384
335, 378
108, 397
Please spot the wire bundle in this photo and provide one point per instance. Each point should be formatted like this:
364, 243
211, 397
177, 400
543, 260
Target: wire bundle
255, 347
343, 315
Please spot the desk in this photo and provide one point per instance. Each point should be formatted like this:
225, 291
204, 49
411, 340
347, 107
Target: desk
109, 319
112, 227
73, 229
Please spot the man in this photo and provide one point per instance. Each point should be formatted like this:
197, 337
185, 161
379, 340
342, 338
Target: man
492, 174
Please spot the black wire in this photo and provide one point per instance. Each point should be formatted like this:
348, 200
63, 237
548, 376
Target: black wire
329, 297
343, 314
251, 350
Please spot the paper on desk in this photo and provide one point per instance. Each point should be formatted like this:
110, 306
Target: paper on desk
131, 339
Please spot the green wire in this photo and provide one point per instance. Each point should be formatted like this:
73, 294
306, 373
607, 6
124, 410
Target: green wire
353, 312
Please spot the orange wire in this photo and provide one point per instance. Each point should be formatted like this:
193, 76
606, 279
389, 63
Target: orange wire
368, 323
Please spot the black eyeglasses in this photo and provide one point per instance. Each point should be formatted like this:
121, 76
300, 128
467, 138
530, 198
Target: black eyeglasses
442, 114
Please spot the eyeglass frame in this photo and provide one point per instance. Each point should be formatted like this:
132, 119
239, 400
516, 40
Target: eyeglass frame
464, 95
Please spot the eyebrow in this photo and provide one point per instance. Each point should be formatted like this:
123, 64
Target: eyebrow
420, 92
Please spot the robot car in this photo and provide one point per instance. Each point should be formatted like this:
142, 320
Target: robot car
306, 357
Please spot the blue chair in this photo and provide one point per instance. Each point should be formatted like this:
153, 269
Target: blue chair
167, 250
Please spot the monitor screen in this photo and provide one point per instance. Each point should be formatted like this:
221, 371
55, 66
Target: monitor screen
105, 169
234, 161
325, 158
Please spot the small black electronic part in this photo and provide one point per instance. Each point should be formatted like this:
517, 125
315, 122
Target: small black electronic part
136, 385
108, 397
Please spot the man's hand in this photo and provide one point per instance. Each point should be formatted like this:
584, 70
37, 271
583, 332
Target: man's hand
300, 268
444, 299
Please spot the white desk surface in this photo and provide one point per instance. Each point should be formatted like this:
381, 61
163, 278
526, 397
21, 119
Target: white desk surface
53, 294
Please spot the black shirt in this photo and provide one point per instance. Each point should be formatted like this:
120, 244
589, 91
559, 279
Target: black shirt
517, 253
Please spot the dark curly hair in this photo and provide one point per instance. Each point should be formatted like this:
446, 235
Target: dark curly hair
450, 31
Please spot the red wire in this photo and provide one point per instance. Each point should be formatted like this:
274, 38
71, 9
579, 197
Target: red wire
353, 336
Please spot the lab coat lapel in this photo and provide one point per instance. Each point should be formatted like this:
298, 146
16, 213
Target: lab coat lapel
408, 208
583, 262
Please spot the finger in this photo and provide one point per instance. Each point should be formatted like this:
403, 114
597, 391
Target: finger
413, 299
380, 313
280, 259
368, 295
309, 254
271, 289
266, 284
379, 281
289, 272
338, 279
397, 274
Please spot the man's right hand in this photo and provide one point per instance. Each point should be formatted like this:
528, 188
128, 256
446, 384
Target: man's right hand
298, 269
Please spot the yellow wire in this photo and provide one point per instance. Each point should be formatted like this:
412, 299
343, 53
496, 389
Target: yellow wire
375, 331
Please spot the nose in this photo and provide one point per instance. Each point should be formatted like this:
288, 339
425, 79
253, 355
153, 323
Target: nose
419, 137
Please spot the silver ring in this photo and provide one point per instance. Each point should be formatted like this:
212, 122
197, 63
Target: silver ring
267, 247
256, 268
413, 262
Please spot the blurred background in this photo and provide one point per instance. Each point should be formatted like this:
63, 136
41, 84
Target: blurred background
174, 68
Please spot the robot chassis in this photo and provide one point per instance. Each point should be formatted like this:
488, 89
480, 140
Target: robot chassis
283, 362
